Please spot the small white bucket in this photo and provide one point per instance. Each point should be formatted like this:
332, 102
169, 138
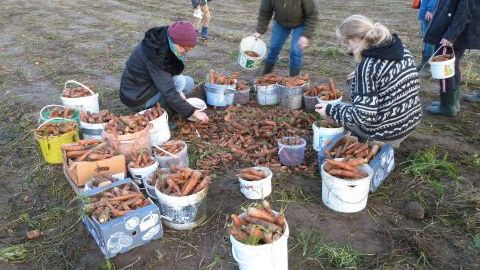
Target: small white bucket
323, 136
198, 104
331, 102
143, 173
259, 189
254, 45
183, 213
159, 133
268, 95
180, 158
272, 256
346, 196
91, 131
88, 103
442, 70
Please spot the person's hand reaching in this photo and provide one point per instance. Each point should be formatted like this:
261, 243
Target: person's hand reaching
203, 117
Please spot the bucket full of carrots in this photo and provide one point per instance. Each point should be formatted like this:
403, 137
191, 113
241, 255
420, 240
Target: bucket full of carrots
142, 165
158, 118
345, 184
291, 91
91, 124
442, 65
324, 132
58, 111
54, 133
291, 150
252, 52
172, 153
80, 97
268, 89
255, 182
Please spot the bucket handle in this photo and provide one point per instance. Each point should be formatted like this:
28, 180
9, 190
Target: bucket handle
77, 83
434, 54
166, 152
56, 118
49, 106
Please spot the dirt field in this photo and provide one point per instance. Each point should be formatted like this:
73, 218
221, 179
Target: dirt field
45, 43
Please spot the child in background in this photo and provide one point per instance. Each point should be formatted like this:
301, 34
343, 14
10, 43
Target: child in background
425, 15
201, 14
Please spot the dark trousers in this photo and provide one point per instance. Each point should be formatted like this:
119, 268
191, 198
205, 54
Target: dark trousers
452, 84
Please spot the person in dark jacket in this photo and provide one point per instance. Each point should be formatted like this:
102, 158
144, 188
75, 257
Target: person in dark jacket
298, 17
425, 15
153, 72
384, 91
455, 24
202, 16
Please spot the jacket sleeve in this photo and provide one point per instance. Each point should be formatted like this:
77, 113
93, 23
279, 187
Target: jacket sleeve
311, 18
264, 16
363, 109
164, 83
463, 16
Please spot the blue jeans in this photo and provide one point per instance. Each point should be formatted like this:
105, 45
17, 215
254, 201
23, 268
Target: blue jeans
183, 84
278, 38
428, 49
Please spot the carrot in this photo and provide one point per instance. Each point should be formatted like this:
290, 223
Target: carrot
75, 154
237, 221
260, 214
237, 233
191, 183
89, 141
267, 237
373, 152
356, 162
255, 231
67, 147
341, 164
347, 174
267, 225
173, 185
202, 184
280, 220
361, 149
126, 197
266, 206
212, 76
116, 212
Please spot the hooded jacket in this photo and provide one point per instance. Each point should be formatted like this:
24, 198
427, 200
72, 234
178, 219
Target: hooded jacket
385, 103
149, 70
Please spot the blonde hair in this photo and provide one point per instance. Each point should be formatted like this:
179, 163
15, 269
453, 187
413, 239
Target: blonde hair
369, 34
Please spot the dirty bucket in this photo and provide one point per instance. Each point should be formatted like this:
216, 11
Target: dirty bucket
88, 103
183, 213
291, 155
180, 158
149, 187
242, 96
443, 69
291, 98
45, 113
51, 146
255, 45
268, 95
159, 132
145, 172
129, 143
259, 189
323, 136
272, 256
219, 95
346, 196
310, 102
91, 131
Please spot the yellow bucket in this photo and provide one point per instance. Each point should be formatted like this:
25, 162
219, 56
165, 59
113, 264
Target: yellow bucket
51, 146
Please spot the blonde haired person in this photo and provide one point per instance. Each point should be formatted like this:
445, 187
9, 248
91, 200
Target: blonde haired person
384, 91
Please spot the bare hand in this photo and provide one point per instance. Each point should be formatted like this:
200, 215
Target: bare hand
321, 109
203, 117
303, 42
428, 16
257, 35
446, 43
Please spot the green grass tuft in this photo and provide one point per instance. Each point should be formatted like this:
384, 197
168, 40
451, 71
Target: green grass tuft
428, 163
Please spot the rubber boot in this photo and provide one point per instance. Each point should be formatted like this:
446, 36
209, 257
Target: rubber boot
448, 104
294, 71
458, 93
204, 33
268, 68
422, 62
474, 97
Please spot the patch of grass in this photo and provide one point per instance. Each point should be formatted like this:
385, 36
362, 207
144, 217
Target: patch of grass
315, 248
214, 264
438, 187
428, 163
333, 52
108, 265
476, 241
13, 253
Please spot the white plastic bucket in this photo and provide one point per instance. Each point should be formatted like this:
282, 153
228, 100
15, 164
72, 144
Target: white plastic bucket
267, 95
183, 213
291, 155
143, 173
323, 136
219, 95
91, 131
159, 132
198, 104
88, 103
346, 196
259, 189
291, 98
180, 158
442, 70
331, 102
272, 256
255, 45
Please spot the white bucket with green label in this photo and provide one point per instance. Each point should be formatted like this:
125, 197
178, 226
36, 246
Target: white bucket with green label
252, 52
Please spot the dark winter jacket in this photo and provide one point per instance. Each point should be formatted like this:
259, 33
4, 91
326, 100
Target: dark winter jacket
457, 21
196, 3
385, 103
288, 13
150, 69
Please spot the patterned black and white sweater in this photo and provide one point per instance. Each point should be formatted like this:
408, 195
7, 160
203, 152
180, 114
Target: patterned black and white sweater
385, 102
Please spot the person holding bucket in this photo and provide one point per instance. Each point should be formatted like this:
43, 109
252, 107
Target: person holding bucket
384, 90
297, 17
201, 15
455, 25
153, 71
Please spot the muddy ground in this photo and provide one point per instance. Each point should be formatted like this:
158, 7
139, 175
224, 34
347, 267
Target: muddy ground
45, 43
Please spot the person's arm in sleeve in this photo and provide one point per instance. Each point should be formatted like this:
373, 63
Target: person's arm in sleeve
363, 109
463, 16
164, 83
264, 16
431, 5
311, 18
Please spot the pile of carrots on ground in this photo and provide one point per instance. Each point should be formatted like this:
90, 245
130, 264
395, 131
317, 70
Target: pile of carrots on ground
115, 202
88, 150
55, 129
252, 174
325, 91
349, 147
268, 79
154, 112
95, 118
182, 182
292, 82
346, 169
122, 125
61, 112
76, 92
259, 225
140, 160
172, 147
218, 78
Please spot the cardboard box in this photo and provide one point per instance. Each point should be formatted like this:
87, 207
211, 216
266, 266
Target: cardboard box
80, 190
79, 172
382, 164
122, 234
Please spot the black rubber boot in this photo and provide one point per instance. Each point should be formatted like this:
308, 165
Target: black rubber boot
422, 63
268, 68
449, 104
458, 93
294, 71
204, 33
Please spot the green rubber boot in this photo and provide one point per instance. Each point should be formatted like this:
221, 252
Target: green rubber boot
449, 104
458, 93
